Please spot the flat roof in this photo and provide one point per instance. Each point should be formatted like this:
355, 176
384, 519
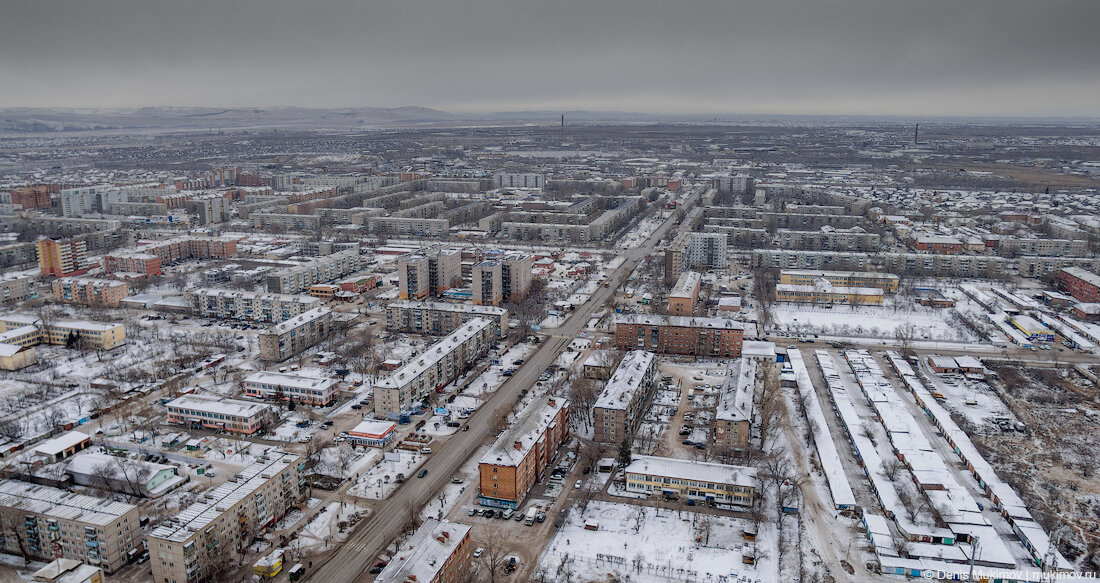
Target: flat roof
61, 443
289, 379
735, 394
303, 318
447, 307
1084, 274
686, 284
826, 273
434, 354
692, 470
55, 503
372, 427
213, 504
221, 405
679, 321
625, 381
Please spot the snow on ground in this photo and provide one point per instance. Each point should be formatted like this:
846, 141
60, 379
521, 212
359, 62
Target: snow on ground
380, 480
652, 545
345, 461
324, 532
869, 321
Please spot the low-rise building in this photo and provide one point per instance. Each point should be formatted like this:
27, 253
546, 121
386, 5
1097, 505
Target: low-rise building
826, 293
1032, 328
712, 337
290, 337
16, 288
193, 544
438, 552
48, 523
29, 331
121, 474
438, 318
405, 388
887, 282
1081, 284
90, 291
372, 433
291, 386
219, 413
624, 399
521, 455
720, 483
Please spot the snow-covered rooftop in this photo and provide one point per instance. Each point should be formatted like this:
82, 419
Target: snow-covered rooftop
692, 470
626, 380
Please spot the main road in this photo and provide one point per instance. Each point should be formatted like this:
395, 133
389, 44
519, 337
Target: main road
358, 553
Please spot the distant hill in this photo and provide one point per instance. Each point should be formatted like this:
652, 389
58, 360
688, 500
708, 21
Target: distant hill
47, 120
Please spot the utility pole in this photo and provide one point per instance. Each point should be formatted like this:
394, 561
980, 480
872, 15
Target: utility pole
973, 554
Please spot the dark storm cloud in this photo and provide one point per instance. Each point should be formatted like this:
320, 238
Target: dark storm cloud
706, 56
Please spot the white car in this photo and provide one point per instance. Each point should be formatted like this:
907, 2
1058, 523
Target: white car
577, 485
478, 551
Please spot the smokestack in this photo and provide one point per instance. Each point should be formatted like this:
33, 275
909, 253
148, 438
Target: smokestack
916, 131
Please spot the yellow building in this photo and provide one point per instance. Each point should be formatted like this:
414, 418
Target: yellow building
887, 282
31, 331
718, 483
825, 293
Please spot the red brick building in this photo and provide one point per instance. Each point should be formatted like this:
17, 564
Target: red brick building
1082, 285
707, 337
521, 455
941, 245
32, 197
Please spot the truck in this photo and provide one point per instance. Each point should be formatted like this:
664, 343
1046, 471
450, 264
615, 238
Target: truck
532, 512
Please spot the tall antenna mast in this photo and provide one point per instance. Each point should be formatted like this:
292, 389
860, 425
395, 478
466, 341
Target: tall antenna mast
916, 131
563, 129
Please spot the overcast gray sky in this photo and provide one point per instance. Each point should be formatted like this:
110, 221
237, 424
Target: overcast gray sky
912, 57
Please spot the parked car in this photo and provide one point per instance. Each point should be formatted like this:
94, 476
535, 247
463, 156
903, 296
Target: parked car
478, 551
472, 512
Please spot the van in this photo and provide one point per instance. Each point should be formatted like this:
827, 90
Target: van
531, 513
425, 450
508, 514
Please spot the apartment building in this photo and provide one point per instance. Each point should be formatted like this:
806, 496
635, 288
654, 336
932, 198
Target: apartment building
441, 363
16, 288
190, 546
290, 337
711, 482
296, 387
1014, 246
737, 183
76, 202
244, 305
705, 250
61, 332
709, 337
487, 279
32, 197
519, 180
674, 258
625, 398
851, 239
90, 291
734, 414
132, 263
521, 455
438, 318
59, 258
49, 523
515, 276
298, 279
1081, 284
740, 237
887, 282
290, 222
939, 244
936, 265
408, 226
412, 276
438, 552
210, 209
171, 251
685, 294
219, 413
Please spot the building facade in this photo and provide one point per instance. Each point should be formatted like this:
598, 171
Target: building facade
707, 337
487, 280
438, 552
16, 288
718, 483
191, 546
299, 388
90, 291
625, 398
439, 318
249, 306
521, 455
50, 523
219, 413
290, 337
63, 257
685, 294
298, 279
441, 363
1081, 284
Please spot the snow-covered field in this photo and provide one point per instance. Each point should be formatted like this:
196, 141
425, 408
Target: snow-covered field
869, 321
651, 545
324, 532
380, 480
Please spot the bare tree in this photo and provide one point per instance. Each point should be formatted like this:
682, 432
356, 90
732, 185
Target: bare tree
495, 554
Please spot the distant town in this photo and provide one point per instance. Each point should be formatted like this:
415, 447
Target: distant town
440, 352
